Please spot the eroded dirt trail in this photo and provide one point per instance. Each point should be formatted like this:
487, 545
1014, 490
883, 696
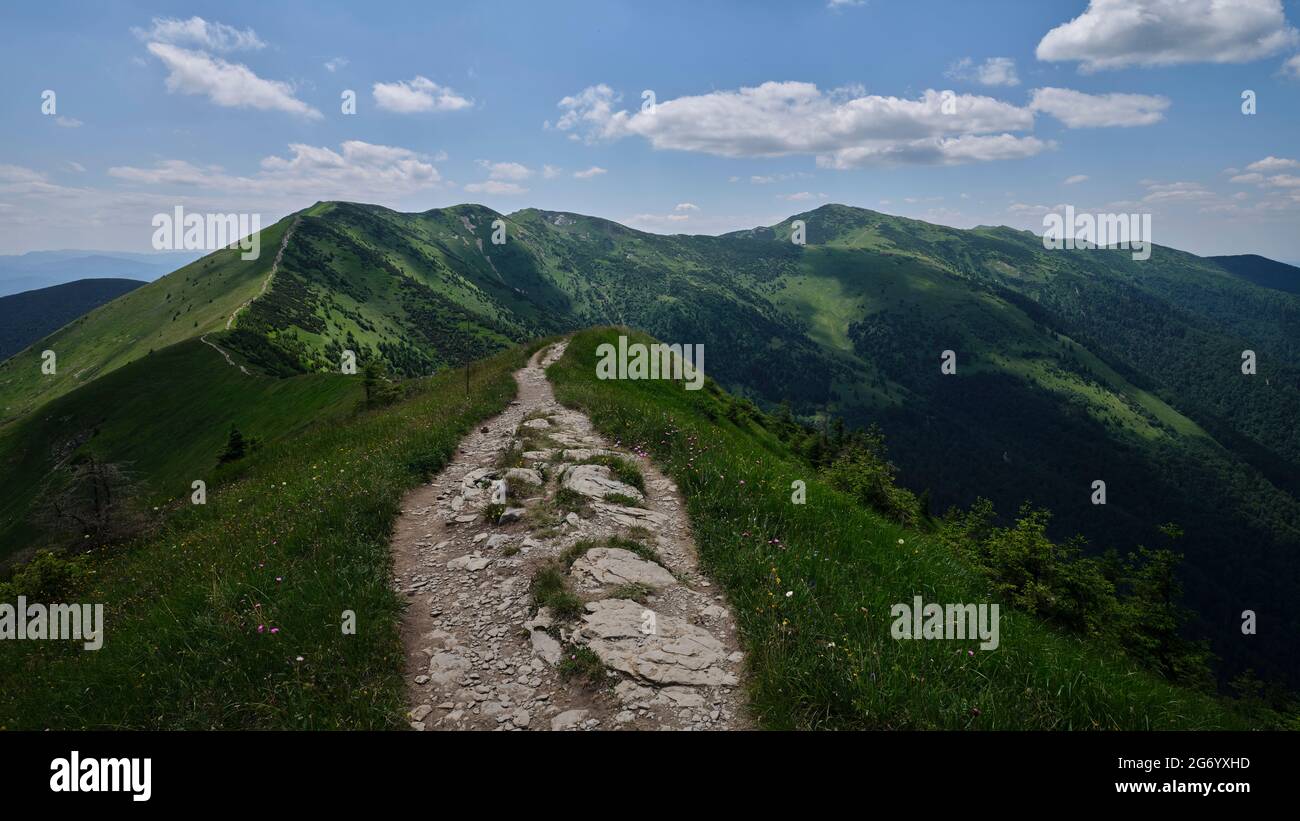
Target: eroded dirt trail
652, 645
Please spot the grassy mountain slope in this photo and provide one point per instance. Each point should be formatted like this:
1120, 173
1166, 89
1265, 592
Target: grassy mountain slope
813, 602
165, 418
182, 305
28, 316
228, 615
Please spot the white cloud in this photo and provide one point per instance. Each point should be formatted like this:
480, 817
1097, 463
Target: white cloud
778, 119
72, 165
1246, 179
358, 170
118, 215
495, 187
550, 172
1075, 179
686, 206
337, 63
1079, 110
1176, 192
1271, 163
802, 195
1117, 33
655, 222
68, 122
226, 84
19, 174
419, 94
1291, 67
199, 33
506, 170
995, 71
589, 110
594, 171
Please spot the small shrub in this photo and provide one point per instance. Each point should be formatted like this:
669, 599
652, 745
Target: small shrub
550, 588
48, 577
581, 663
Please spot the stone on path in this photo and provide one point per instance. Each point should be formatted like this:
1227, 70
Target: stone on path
614, 565
595, 481
677, 652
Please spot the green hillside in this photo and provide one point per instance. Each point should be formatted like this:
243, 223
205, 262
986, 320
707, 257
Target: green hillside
227, 615
164, 419
813, 602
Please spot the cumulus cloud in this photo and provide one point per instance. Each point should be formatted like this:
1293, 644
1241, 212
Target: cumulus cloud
1271, 163
995, 71
506, 170
1118, 33
594, 171
68, 122
786, 118
358, 170
1291, 67
227, 84
686, 206
199, 33
550, 172
337, 63
1075, 179
417, 95
1079, 110
1264, 173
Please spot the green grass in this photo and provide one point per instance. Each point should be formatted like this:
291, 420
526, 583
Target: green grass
301, 536
166, 418
550, 588
622, 499
812, 586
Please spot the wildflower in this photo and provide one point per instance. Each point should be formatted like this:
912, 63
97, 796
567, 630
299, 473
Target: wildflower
789, 593
900, 541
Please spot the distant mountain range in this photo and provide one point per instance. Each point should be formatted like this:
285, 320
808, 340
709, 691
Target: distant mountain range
28, 316
1262, 271
1073, 366
41, 269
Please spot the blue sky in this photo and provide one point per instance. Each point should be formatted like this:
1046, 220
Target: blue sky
763, 110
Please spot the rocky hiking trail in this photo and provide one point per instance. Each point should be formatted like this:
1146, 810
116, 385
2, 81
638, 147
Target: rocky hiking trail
633, 636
